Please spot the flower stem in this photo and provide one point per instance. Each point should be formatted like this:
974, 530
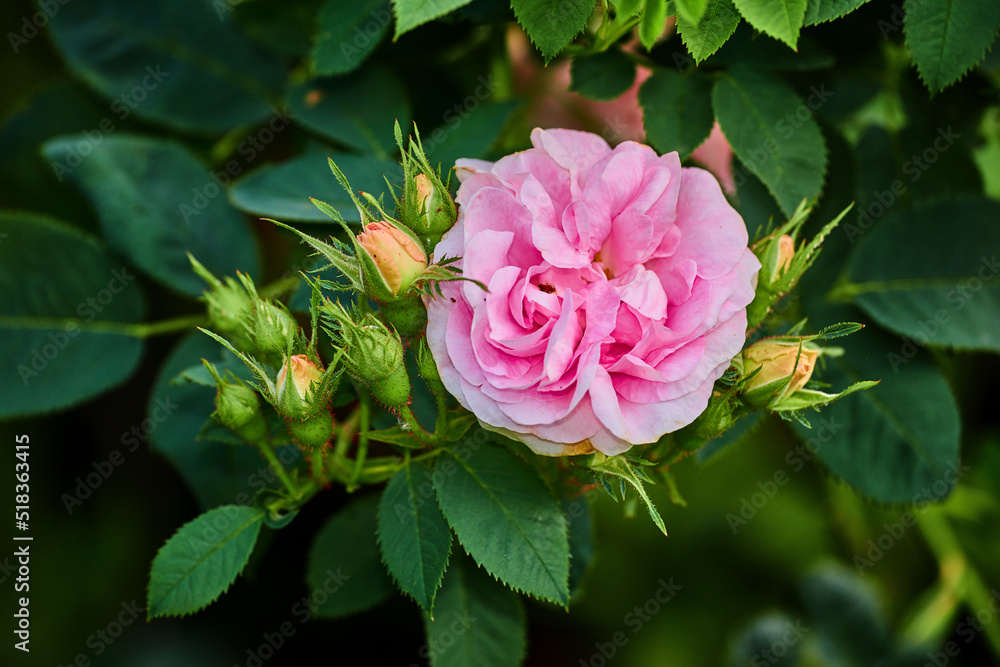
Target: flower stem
279, 470
421, 434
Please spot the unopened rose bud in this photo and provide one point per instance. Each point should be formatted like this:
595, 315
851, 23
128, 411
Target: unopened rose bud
272, 329
228, 303
398, 257
786, 251
779, 376
298, 386
428, 368
313, 433
237, 407
432, 211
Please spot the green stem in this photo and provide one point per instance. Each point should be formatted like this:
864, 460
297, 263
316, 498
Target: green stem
135, 330
441, 423
421, 434
279, 470
951, 557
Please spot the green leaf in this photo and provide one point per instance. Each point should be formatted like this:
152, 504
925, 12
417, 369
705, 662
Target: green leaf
283, 191
926, 282
344, 574
64, 304
850, 628
652, 22
753, 109
202, 560
705, 37
357, 111
347, 34
603, 76
471, 136
821, 11
175, 63
896, 440
676, 110
948, 37
156, 203
619, 466
781, 19
691, 10
760, 637
415, 538
477, 622
505, 518
552, 25
216, 473
412, 13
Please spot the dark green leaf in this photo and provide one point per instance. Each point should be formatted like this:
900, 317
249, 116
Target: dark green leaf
552, 25
757, 642
948, 37
921, 279
347, 33
414, 537
505, 518
156, 203
216, 473
746, 47
781, 19
581, 538
411, 13
758, 113
820, 11
476, 622
282, 191
603, 76
356, 111
469, 136
179, 63
705, 37
676, 110
345, 575
849, 626
896, 440
202, 560
64, 304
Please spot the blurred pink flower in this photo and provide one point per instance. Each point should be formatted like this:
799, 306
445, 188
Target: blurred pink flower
716, 155
618, 285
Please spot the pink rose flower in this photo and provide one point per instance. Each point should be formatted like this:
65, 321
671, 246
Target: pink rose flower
618, 285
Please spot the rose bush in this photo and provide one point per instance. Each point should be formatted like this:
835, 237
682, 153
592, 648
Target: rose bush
617, 288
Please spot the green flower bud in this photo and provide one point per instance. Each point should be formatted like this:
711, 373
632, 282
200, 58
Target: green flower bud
407, 316
298, 390
426, 206
237, 407
312, 434
783, 370
428, 368
272, 329
373, 354
228, 303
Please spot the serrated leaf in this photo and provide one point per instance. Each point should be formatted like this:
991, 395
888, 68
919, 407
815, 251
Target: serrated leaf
894, 441
618, 466
65, 305
691, 10
412, 13
505, 518
603, 76
705, 37
347, 33
414, 537
781, 19
477, 622
948, 37
926, 282
344, 562
753, 110
820, 11
552, 25
676, 110
156, 202
175, 63
652, 22
201, 560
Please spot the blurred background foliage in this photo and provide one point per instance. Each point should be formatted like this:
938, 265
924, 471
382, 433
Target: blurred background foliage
252, 97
